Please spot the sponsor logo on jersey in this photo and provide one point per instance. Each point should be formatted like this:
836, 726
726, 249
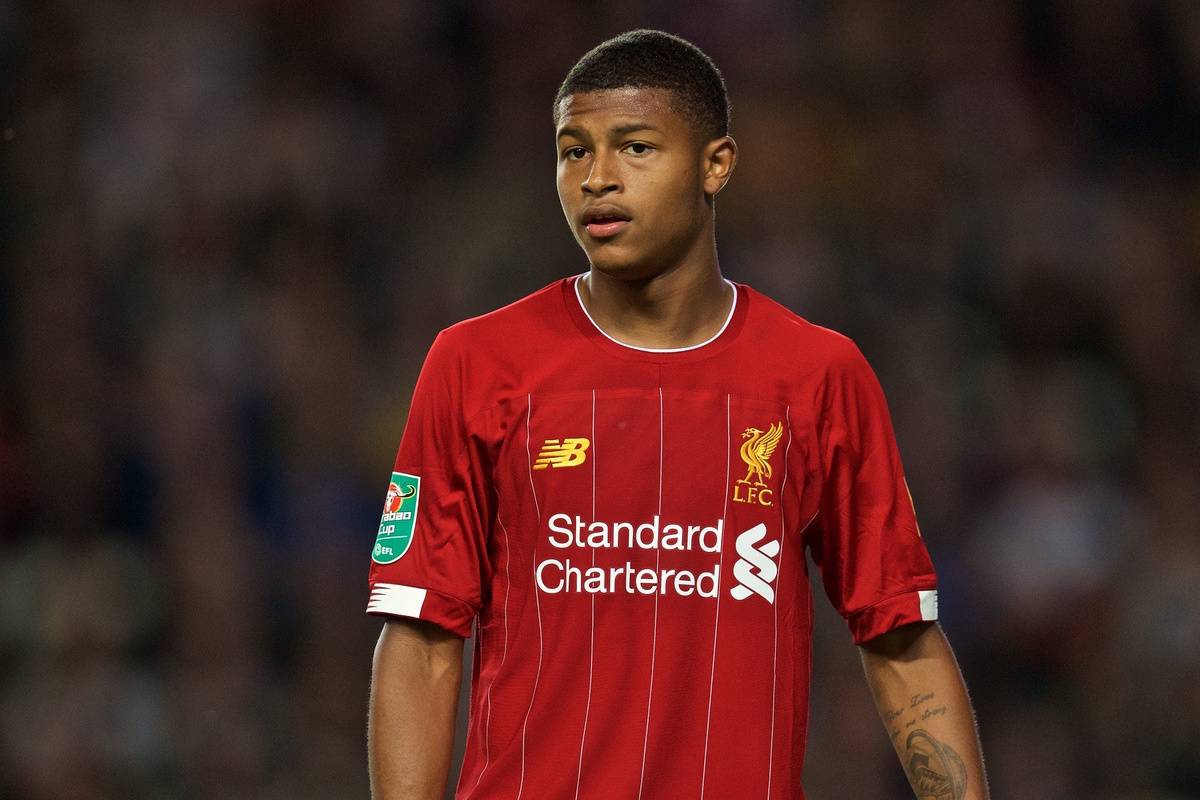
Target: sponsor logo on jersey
756, 451
554, 575
399, 517
570, 452
755, 568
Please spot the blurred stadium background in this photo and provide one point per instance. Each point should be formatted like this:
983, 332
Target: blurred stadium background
231, 230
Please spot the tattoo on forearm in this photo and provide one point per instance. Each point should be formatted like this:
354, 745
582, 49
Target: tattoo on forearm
929, 713
890, 715
934, 769
921, 699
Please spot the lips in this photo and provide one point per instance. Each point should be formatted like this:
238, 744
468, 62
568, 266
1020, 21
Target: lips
605, 220
604, 229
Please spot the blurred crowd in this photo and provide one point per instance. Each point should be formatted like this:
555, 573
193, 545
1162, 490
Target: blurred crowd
230, 231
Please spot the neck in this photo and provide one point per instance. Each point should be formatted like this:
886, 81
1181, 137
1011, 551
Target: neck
679, 307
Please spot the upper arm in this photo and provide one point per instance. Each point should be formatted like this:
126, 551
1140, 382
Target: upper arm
431, 554
415, 683
405, 638
874, 564
906, 642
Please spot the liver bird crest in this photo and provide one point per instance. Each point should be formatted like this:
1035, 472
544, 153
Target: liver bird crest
756, 452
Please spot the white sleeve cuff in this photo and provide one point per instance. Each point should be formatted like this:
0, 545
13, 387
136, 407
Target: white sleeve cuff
395, 598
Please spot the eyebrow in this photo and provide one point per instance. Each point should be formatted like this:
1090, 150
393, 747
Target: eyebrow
620, 130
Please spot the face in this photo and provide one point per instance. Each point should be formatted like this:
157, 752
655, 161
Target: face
636, 181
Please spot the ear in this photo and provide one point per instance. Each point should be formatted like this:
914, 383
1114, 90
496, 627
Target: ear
718, 161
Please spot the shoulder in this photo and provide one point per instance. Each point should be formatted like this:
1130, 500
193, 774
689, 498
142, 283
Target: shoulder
505, 327
795, 338
486, 358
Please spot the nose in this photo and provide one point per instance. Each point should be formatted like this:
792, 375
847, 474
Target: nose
601, 178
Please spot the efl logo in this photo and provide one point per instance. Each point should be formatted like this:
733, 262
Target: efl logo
562, 453
755, 569
756, 452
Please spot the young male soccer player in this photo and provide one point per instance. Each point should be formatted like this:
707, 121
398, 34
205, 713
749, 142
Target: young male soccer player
616, 478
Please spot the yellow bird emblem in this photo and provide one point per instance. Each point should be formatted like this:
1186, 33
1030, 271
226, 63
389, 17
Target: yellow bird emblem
756, 452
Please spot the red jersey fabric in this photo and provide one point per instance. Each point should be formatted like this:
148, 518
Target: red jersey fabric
626, 528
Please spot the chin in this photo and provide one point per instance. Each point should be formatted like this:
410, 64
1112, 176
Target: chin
616, 260
622, 270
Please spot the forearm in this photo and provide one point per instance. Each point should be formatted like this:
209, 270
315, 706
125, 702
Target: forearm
923, 703
416, 675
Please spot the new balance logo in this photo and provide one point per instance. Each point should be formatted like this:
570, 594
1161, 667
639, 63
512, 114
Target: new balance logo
562, 453
755, 569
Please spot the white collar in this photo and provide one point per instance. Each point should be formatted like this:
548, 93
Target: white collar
710, 340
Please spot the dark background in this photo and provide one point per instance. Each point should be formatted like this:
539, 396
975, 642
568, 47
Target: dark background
230, 231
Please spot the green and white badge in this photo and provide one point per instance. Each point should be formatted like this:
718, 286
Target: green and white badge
399, 517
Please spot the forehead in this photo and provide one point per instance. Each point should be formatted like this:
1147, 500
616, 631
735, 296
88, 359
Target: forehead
600, 110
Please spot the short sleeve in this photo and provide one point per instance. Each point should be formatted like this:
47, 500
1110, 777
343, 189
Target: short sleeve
868, 547
430, 555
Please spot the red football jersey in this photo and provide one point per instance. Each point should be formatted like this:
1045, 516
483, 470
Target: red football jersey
627, 528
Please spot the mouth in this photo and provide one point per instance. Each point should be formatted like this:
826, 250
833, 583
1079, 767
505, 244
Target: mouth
604, 228
605, 221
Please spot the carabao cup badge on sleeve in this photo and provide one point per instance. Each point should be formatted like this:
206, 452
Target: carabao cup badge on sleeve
399, 518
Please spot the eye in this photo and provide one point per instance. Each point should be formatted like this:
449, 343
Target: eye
574, 153
638, 148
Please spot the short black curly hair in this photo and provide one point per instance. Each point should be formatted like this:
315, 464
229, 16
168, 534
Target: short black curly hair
648, 59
